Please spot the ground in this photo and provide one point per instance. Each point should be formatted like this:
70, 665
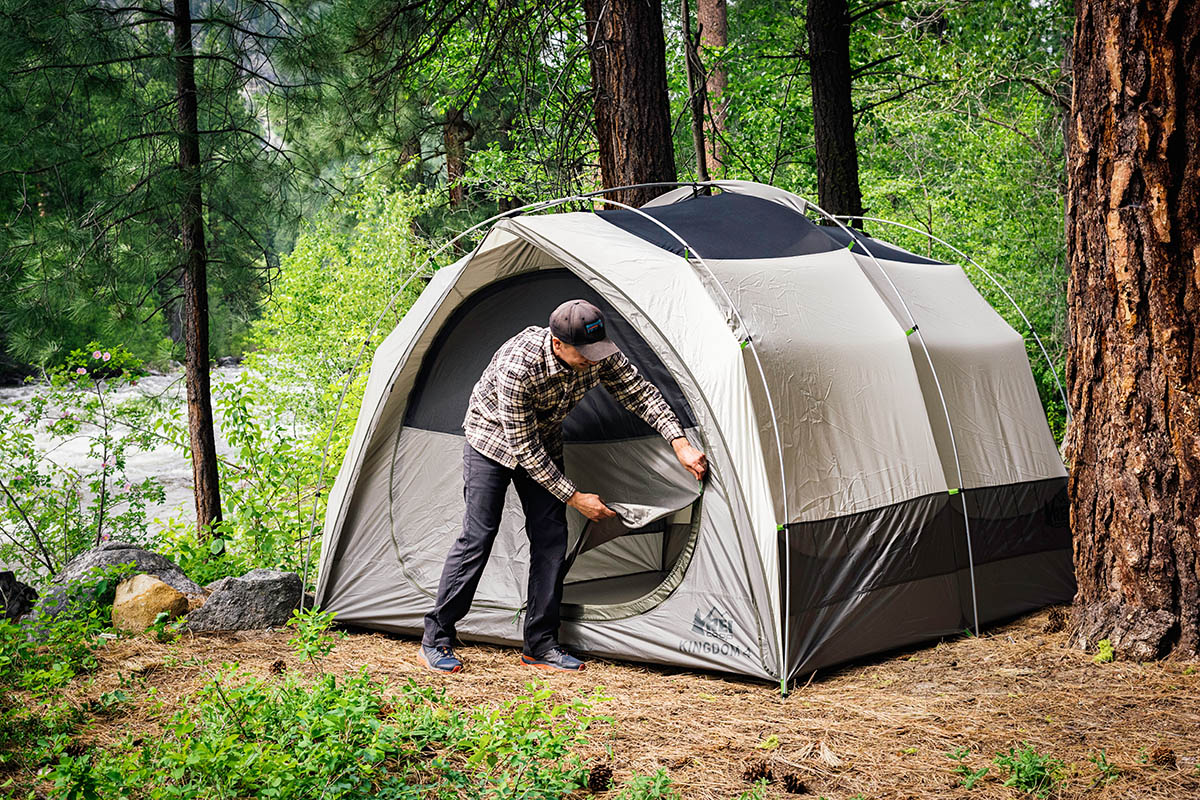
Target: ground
879, 728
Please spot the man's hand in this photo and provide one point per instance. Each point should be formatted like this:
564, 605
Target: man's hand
591, 506
692, 459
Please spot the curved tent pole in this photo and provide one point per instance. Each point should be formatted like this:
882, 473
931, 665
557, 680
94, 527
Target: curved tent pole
429, 261
747, 344
1045, 354
941, 397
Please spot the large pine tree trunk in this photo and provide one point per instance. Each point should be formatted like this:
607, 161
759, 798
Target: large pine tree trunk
833, 110
1134, 370
629, 78
195, 280
714, 35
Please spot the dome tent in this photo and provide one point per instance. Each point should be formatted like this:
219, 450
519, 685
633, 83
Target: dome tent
881, 470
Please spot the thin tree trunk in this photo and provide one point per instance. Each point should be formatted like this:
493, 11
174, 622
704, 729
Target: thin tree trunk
195, 282
456, 132
629, 78
1133, 236
833, 109
697, 90
714, 35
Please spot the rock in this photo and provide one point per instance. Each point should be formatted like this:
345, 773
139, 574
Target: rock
80, 569
228, 361
262, 598
141, 599
16, 598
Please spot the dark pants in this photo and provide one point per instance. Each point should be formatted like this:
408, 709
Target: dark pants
484, 485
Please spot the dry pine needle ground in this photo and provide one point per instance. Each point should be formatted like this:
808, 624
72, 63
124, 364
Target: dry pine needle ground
878, 728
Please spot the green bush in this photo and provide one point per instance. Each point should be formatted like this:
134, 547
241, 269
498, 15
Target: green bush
340, 738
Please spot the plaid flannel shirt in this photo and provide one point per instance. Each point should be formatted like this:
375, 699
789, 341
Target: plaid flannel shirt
518, 406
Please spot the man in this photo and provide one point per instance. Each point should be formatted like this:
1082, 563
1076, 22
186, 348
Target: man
514, 433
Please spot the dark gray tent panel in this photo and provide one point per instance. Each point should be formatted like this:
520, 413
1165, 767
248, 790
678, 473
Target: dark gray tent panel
869, 488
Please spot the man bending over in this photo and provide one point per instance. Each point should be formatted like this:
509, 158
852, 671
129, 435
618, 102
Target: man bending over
514, 433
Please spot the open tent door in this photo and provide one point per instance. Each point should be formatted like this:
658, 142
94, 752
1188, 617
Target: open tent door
607, 450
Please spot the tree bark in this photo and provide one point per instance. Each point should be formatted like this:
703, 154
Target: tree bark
456, 132
195, 281
629, 80
714, 35
697, 91
833, 110
1133, 235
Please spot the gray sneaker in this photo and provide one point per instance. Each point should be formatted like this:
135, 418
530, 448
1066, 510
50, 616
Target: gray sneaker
439, 659
555, 658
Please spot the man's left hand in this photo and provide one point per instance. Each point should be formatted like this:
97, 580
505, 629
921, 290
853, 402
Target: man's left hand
692, 459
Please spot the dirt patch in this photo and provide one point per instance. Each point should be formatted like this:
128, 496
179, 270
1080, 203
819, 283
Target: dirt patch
880, 728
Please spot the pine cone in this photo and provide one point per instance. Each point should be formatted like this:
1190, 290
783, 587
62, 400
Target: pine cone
1163, 756
599, 778
757, 771
793, 785
1057, 620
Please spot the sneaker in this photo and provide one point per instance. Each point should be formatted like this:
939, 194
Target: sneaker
554, 658
439, 659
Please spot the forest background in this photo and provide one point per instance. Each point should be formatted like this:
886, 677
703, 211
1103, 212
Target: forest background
332, 148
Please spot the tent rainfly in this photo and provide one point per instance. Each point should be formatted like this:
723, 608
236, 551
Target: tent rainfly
881, 470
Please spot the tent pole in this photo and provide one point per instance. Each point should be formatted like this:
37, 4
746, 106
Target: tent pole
747, 344
941, 397
1032, 331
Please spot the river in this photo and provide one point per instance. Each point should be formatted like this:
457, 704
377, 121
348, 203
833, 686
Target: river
164, 463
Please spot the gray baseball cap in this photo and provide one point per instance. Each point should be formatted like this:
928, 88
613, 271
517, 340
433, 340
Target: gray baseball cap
581, 325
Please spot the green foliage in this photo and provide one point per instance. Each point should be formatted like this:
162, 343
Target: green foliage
50, 512
98, 362
1029, 771
312, 640
1109, 771
757, 792
1104, 652
968, 776
248, 737
649, 787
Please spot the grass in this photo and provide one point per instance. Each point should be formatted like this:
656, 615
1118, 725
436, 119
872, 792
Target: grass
879, 729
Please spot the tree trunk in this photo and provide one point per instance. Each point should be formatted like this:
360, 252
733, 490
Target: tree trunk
195, 281
629, 81
833, 110
714, 34
456, 132
697, 91
1133, 235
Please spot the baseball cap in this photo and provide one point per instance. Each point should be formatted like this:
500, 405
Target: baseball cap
581, 325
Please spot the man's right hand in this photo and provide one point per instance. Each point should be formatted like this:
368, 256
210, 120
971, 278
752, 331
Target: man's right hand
591, 506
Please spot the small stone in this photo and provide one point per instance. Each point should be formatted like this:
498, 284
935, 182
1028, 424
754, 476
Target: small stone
141, 599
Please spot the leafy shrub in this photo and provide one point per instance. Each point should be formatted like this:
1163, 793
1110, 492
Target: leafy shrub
1030, 771
51, 512
312, 640
246, 737
98, 362
651, 787
1104, 652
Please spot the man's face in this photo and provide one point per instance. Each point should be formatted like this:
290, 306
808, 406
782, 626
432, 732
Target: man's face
571, 356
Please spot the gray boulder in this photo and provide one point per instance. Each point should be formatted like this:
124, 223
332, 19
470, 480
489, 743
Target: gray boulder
82, 568
262, 598
16, 598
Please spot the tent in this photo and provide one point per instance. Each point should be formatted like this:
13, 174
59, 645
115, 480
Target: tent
881, 469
